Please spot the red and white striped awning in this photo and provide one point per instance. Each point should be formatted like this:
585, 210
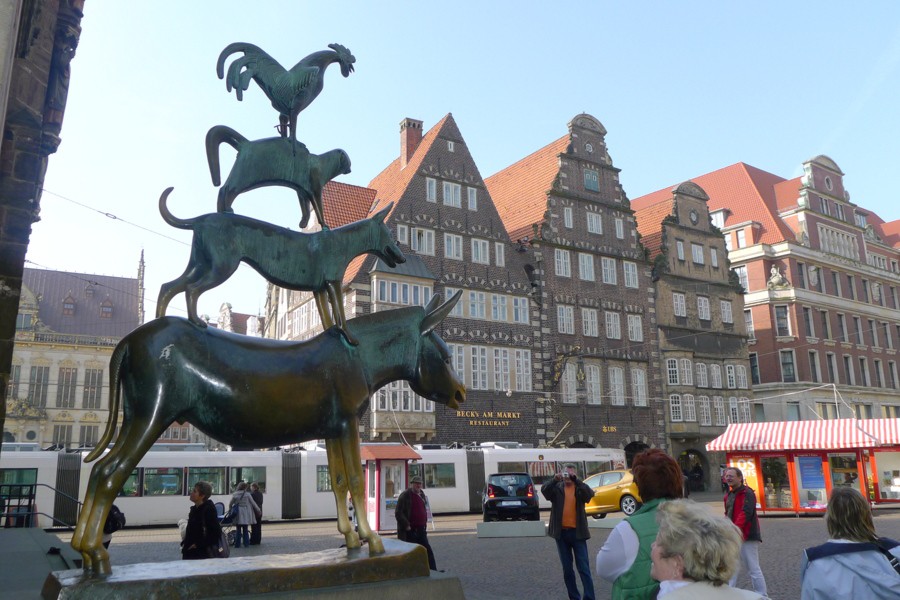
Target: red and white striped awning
808, 435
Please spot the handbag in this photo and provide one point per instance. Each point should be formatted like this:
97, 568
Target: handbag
220, 550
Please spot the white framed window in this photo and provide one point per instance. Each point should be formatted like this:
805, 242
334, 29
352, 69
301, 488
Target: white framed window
477, 305
631, 274
451, 146
688, 407
498, 308
715, 376
635, 328
458, 308
523, 370
458, 360
741, 272
727, 316
453, 246
744, 404
589, 322
563, 267
639, 386
452, 194
595, 223
480, 252
705, 414
501, 369
479, 368
679, 304
730, 377
520, 310
782, 322
609, 270
568, 384
568, 221
586, 266
679, 249
620, 229
702, 375
394, 292
741, 238
402, 234
687, 371
499, 254
703, 311
565, 318
430, 189
422, 241
672, 370
472, 193
617, 386
697, 254
741, 372
675, 414
713, 261
748, 323
592, 383
613, 326
719, 405
734, 411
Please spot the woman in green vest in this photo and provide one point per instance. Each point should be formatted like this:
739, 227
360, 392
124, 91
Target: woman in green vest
624, 559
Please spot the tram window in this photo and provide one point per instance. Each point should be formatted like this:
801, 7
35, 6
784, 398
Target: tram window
511, 467
168, 481
592, 467
440, 475
214, 475
541, 471
323, 479
10, 478
249, 475
132, 485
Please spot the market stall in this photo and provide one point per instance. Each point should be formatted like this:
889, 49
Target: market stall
794, 465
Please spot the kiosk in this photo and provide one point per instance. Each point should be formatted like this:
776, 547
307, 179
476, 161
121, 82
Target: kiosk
386, 478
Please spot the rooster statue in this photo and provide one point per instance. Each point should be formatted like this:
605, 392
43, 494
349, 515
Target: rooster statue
290, 91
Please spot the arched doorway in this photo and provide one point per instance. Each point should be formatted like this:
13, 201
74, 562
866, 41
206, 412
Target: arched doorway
694, 464
633, 449
581, 445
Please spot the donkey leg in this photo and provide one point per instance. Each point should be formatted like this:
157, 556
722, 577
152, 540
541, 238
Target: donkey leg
336, 299
167, 291
349, 441
339, 487
322, 305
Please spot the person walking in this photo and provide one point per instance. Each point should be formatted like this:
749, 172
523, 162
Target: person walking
203, 532
247, 509
740, 507
855, 562
624, 559
256, 528
568, 526
412, 518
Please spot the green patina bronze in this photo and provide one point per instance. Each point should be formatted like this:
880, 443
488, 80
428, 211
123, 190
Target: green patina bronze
274, 161
255, 392
289, 91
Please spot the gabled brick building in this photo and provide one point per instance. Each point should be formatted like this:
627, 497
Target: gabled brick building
566, 210
821, 277
704, 361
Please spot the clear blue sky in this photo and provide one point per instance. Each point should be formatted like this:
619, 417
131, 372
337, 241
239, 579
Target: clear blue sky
683, 88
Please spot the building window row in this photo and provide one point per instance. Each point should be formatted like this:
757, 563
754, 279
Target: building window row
687, 408
66, 386
499, 308
704, 309
680, 371
452, 194
398, 396
492, 368
590, 324
615, 392
586, 270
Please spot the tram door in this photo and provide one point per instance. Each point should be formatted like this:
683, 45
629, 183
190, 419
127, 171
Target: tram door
393, 479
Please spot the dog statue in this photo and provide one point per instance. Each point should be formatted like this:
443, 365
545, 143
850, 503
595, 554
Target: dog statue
312, 262
274, 161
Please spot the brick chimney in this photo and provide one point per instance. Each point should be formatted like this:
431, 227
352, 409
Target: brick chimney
410, 136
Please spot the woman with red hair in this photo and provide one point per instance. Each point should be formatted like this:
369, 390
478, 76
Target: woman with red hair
624, 559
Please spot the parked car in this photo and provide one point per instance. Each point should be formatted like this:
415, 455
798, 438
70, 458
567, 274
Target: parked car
613, 491
510, 496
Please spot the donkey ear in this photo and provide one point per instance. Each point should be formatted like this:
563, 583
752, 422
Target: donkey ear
381, 214
433, 316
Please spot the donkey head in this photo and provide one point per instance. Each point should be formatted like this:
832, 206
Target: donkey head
384, 246
435, 378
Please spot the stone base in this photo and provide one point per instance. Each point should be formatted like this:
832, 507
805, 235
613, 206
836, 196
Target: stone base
496, 529
337, 573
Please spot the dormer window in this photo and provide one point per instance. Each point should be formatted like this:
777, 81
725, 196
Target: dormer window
69, 306
860, 220
451, 147
89, 291
106, 309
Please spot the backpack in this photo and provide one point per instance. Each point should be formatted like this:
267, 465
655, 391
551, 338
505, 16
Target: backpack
114, 521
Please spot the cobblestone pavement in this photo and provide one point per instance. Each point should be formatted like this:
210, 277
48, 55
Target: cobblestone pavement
501, 568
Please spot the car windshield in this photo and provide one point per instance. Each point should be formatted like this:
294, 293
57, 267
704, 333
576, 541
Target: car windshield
509, 485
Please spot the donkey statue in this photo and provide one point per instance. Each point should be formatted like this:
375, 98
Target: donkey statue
259, 393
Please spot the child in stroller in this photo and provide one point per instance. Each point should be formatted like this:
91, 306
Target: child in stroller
226, 520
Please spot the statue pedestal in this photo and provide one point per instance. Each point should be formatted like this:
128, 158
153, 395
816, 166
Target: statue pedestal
400, 573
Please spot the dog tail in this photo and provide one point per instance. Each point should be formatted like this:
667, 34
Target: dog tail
169, 217
115, 400
214, 138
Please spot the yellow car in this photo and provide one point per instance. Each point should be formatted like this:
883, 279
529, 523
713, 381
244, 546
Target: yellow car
613, 491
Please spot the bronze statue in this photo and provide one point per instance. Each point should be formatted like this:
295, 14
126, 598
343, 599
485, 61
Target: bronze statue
273, 161
313, 262
254, 392
290, 91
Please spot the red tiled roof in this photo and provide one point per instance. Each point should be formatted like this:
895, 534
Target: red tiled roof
787, 193
747, 192
520, 190
649, 223
344, 203
387, 452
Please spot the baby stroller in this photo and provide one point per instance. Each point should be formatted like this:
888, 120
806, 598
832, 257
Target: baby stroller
226, 521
